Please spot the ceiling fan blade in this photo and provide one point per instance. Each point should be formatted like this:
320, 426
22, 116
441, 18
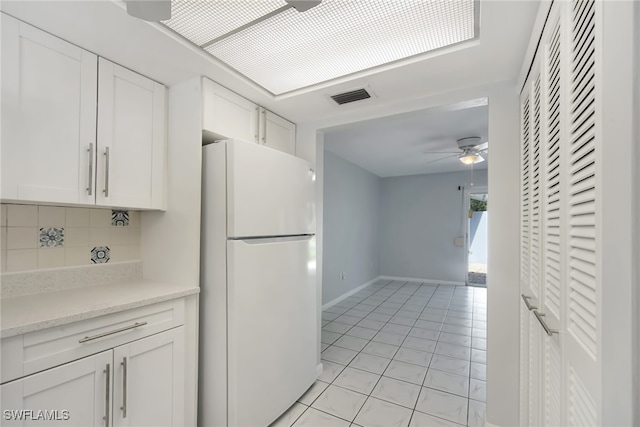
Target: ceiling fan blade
482, 147
149, 10
441, 158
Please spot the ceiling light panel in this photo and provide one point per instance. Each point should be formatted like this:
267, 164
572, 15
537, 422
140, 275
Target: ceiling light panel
292, 50
201, 21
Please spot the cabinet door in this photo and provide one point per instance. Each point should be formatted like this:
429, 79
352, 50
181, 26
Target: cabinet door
277, 132
148, 385
131, 139
74, 394
227, 115
48, 116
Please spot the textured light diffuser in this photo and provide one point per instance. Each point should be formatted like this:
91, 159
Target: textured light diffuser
292, 50
201, 21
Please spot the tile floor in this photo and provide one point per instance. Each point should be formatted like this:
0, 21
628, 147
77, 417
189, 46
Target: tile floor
400, 354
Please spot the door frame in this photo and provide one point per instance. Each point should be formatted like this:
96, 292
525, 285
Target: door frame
466, 206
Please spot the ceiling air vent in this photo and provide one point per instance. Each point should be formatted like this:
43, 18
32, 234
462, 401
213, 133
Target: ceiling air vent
352, 96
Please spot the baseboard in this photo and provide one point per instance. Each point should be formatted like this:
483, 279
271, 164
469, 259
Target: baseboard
351, 292
429, 281
319, 369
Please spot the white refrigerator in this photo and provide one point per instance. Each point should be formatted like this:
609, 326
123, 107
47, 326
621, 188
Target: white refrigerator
258, 299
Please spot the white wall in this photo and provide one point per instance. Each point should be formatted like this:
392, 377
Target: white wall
503, 344
171, 239
351, 226
421, 215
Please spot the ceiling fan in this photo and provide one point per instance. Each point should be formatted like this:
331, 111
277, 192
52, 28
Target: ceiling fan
470, 150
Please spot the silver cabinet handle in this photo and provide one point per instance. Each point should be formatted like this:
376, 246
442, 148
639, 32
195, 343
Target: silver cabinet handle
264, 126
526, 299
90, 184
124, 387
107, 393
104, 334
106, 172
546, 328
257, 131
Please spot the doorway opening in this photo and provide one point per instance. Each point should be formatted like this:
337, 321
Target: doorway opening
477, 220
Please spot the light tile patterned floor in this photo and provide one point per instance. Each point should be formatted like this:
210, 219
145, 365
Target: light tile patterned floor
400, 354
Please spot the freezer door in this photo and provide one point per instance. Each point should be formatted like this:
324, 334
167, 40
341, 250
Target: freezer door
269, 193
271, 309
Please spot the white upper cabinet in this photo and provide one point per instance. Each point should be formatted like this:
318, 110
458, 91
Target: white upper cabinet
131, 139
227, 115
49, 90
276, 132
71, 137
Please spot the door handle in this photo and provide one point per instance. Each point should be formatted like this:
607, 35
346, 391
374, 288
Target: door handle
546, 328
257, 130
106, 172
124, 387
107, 399
526, 299
264, 126
91, 156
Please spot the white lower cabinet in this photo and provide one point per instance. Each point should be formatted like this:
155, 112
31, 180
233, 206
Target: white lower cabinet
74, 394
137, 384
148, 386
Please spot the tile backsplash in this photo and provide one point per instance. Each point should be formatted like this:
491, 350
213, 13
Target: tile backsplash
35, 237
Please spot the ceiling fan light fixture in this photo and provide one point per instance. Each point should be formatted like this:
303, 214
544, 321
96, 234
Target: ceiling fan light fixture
470, 158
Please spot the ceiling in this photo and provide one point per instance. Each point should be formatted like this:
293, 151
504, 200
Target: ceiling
104, 27
404, 144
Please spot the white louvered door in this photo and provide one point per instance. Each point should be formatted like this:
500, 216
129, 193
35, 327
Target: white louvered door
582, 364
525, 187
552, 258
559, 212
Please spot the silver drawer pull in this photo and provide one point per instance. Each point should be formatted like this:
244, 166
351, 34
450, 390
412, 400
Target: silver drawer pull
546, 328
526, 299
105, 334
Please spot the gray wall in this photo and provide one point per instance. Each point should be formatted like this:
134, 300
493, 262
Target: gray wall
420, 217
351, 227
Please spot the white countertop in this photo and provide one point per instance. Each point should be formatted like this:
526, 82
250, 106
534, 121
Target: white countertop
28, 313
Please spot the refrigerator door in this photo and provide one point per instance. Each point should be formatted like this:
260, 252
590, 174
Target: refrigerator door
271, 326
269, 193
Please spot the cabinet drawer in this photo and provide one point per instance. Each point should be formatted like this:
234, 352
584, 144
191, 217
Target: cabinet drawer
36, 351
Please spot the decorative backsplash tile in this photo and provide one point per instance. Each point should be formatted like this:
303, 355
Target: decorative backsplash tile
37, 237
51, 237
119, 218
100, 254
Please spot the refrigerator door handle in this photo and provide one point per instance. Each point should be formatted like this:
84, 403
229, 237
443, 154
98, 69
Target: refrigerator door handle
272, 239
